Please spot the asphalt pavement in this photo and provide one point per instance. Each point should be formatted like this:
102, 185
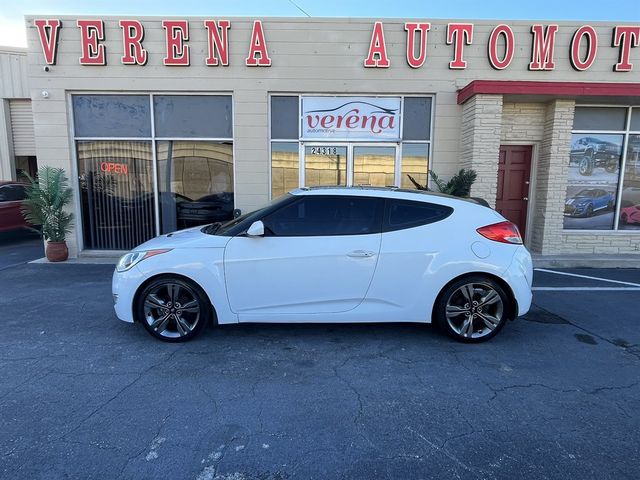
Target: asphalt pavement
84, 396
18, 247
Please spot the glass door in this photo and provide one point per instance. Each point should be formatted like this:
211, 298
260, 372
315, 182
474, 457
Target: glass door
374, 165
349, 164
325, 164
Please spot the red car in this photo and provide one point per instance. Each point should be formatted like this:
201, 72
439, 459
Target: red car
630, 214
11, 196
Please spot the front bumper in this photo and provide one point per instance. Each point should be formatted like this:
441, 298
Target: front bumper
123, 288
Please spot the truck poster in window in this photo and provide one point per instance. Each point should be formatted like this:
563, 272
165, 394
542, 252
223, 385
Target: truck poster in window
351, 118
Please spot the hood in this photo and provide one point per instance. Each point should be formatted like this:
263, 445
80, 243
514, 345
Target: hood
187, 238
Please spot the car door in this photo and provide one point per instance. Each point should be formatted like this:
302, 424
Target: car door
11, 197
318, 255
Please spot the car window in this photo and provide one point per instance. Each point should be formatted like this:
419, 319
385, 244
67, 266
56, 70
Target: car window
326, 215
12, 193
403, 214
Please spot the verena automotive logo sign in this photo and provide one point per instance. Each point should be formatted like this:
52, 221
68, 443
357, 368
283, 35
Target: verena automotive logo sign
351, 118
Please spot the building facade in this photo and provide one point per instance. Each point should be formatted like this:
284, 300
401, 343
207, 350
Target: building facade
163, 123
17, 139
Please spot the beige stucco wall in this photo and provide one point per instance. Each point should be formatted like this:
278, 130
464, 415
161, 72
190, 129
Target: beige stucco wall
313, 55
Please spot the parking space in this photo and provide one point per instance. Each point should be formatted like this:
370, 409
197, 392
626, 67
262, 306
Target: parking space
555, 395
19, 247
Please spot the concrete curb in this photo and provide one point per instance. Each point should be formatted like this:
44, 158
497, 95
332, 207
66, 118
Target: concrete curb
586, 261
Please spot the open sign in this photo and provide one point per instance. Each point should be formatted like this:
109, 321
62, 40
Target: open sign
113, 167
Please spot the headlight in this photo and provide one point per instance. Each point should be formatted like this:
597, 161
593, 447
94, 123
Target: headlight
133, 258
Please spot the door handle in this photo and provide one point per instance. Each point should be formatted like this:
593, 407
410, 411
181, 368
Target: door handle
526, 198
360, 254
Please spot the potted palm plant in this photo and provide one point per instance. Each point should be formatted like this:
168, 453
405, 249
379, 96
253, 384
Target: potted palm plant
45, 204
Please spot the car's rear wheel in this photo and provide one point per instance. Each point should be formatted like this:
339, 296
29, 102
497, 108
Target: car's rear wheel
624, 220
173, 309
473, 309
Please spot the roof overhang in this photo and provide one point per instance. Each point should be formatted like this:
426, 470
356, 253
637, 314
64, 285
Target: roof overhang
541, 91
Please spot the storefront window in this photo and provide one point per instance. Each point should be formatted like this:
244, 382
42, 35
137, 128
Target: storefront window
415, 163
116, 193
630, 200
120, 206
604, 166
285, 165
349, 140
195, 183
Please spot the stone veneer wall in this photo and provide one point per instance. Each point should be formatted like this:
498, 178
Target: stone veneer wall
480, 143
551, 179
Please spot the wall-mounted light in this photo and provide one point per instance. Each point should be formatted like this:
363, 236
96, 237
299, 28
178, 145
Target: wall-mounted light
45, 94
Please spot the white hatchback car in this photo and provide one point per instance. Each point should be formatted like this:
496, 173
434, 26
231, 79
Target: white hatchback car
333, 255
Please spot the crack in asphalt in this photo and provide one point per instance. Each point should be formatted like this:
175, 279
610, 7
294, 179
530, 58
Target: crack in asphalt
120, 392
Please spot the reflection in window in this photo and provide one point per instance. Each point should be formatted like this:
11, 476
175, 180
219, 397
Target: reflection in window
195, 183
325, 165
374, 166
285, 164
415, 162
630, 201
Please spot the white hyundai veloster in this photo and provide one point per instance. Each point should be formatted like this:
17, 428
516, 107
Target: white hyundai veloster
333, 255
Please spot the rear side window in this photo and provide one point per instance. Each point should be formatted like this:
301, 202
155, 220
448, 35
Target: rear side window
330, 215
12, 193
403, 214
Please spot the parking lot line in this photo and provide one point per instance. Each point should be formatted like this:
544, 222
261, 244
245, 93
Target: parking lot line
587, 277
599, 289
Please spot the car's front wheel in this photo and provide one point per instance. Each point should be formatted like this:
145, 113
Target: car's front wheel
172, 309
472, 309
586, 166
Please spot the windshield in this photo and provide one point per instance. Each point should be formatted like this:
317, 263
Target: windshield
235, 226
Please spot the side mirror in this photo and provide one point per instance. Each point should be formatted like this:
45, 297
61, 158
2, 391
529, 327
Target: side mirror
256, 229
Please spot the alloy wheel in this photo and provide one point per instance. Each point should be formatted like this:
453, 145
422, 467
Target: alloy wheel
474, 310
172, 310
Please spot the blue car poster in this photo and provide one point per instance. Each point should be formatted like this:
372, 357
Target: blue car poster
594, 170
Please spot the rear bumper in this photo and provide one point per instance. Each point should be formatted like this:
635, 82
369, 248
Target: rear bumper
519, 276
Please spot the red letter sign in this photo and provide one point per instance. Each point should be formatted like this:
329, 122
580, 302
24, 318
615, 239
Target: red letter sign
218, 42
413, 60
463, 35
258, 47
132, 36
509, 47
377, 47
592, 47
48, 32
542, 48
91, 34
177, 32
626, 38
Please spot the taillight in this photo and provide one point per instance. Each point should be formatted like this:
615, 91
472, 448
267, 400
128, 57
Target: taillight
505, 232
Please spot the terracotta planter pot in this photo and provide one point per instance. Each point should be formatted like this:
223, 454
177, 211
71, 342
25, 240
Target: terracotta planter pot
57, 251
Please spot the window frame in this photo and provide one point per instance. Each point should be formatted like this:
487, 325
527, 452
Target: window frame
398, 167
153, 139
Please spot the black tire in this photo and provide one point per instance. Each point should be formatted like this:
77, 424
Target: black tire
624, 219
183, 322
611, 166
589, 211
586, 166
452, 295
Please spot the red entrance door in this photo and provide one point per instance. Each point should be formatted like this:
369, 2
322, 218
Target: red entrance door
513, 184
